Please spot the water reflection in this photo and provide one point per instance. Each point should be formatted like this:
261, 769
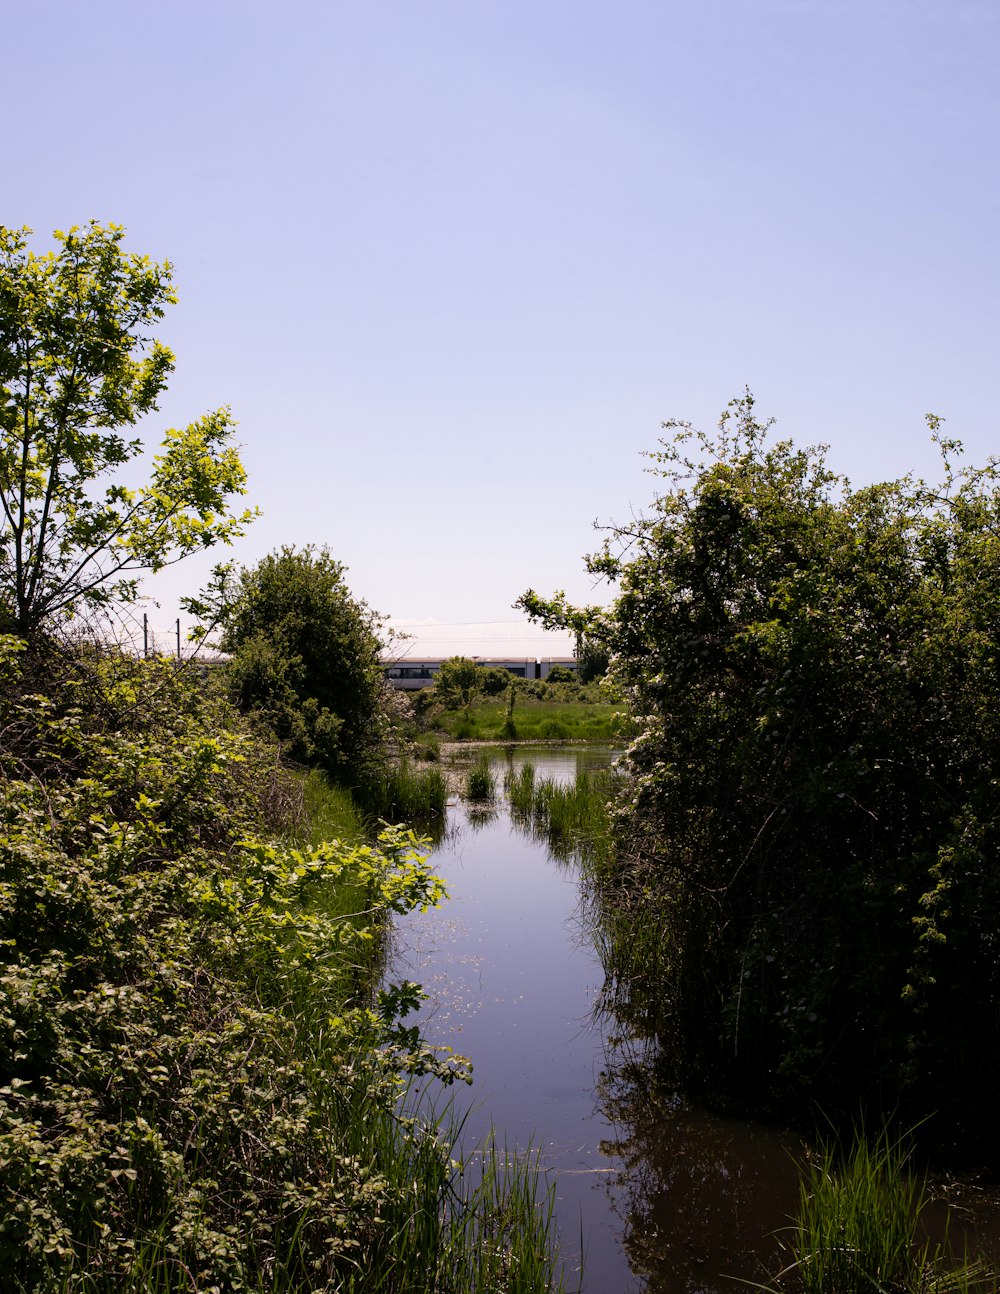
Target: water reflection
703, 1200
665, 1198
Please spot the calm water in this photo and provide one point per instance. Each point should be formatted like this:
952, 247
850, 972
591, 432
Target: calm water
665, 1198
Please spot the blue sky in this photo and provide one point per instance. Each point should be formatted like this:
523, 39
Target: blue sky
452, 263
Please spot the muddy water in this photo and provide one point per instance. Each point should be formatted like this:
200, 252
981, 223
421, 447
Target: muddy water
662, 1197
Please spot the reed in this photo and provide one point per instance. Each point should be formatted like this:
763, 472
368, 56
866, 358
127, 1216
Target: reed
480, 783
574, 817
519, 788
427, 746
399, 792
860, 1227
500, 1238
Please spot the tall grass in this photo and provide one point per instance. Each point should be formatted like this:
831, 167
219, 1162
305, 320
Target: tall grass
399, 792
519, 787
535, 721
331, 812
500, 1238
860, 1227
574, 817
480, 783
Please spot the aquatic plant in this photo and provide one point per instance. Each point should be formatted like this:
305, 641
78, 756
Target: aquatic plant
859, 1227
398, 792
480, 783
519, 788
574, 816
428, 746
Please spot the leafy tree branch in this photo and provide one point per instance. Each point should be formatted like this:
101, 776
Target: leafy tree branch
77, 366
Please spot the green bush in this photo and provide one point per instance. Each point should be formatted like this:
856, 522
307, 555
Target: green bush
199, 1082
305, 657
494, 680
813, 818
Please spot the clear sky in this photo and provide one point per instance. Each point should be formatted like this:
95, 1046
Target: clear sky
452, 261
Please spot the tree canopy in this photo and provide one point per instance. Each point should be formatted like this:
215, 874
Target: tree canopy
305, 655
78, 367
812, 818
458, 682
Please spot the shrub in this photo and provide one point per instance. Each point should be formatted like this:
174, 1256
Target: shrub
458, 682
812, 816
305, 656
199, 1083
494, 680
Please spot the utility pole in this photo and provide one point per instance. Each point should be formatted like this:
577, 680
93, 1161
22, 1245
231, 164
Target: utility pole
178, 640
145, 636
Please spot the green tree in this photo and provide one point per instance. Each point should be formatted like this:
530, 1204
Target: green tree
812, 820
594, 659
305, 655
458, 682
77, 367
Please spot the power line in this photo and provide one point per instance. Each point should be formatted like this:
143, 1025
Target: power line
449, 624
474, 638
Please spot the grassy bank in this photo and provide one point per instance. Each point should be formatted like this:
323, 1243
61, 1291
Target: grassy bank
201, 1084
533, 720
401, 791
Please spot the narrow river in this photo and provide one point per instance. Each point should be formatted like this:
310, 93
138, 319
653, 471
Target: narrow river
661, 1197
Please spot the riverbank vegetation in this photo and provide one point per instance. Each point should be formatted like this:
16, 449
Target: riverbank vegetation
862, 1226
809, 828
201, 1079
205, 1083
469, 702
400, 791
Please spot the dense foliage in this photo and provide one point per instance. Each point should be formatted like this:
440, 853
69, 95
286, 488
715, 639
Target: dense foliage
199, 1085
305, 657
810, 838
76, 368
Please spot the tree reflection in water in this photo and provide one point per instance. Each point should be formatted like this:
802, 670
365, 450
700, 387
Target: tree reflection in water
703, 1199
